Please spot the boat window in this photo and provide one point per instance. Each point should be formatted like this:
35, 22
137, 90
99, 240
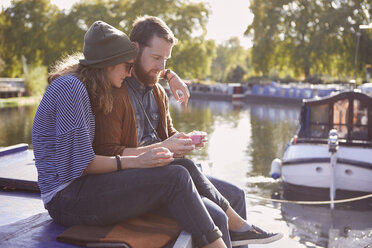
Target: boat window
290, 92
360, 120
307, 94
340, 117
272, 90
260, 90
238, 90
298, 93
319, 121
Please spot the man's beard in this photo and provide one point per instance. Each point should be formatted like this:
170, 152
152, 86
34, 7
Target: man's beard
144, 76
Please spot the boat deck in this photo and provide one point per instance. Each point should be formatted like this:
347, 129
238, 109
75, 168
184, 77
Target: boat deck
24, 222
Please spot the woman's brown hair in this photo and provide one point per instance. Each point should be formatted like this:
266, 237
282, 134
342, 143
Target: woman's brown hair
94, 79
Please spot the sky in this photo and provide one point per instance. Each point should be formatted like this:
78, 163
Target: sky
228, 18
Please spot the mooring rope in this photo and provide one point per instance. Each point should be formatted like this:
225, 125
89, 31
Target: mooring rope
200, 164
311, 202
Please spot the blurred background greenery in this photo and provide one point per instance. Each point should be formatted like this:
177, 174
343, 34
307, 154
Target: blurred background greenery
319, 41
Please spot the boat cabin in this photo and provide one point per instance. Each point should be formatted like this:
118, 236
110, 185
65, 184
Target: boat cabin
350, 113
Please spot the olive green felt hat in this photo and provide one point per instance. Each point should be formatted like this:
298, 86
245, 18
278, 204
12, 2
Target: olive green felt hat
106, 46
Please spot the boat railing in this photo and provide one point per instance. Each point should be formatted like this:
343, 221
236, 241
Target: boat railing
297, 91
342, 142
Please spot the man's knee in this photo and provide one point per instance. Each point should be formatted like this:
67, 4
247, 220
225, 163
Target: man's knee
238, 203
240, 194
219, 217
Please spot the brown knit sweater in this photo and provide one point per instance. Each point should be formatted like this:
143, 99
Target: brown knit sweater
117, 130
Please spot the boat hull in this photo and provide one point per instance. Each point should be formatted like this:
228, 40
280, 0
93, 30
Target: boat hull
308, 165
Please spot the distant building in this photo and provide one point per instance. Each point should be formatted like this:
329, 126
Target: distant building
12, 87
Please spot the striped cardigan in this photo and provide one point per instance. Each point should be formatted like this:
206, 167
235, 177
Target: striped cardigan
62, 135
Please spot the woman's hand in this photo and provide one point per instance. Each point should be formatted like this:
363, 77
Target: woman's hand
177, 84
156, 157
180, 144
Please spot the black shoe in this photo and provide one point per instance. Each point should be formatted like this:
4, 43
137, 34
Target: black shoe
256, 236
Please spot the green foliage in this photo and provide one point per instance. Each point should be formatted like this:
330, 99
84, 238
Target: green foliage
291, 38
36, 81
24, 28
2, 65
236, 75
229, 55
309, 37
193, 58
41, 33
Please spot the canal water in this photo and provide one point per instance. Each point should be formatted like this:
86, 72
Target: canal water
243, 140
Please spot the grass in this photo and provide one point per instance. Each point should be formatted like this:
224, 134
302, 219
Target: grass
19, 101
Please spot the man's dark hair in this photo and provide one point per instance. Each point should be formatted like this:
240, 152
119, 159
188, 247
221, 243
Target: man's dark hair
144, 28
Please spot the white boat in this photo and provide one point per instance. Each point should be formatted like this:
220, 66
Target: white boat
332, 150
366, 88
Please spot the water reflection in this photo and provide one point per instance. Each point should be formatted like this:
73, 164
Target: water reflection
272, 126
276, 113
209, 116
16, 125
243, 140
321, 226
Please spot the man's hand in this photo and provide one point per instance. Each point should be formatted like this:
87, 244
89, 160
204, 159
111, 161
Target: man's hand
198, 138
179, 144
177, 84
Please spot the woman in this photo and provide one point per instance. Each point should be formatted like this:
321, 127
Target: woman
79, 187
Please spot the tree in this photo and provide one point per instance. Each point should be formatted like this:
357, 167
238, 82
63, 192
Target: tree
308, 37
67, 29
236, 75
41, 33
229, 56
23, 27
192, 56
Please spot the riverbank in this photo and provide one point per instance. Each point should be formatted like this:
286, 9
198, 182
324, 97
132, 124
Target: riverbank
19, 101
291, 93
247, 98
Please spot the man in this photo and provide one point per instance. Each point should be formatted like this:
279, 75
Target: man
140, 121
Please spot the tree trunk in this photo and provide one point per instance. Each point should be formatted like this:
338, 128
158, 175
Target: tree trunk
307, 71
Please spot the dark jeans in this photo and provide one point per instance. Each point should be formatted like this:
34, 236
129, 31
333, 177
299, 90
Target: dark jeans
236, 197
212, 188
113, 197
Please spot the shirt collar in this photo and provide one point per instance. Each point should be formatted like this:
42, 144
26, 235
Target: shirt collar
138, 86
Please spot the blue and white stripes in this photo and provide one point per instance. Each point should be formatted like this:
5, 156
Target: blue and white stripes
62, 135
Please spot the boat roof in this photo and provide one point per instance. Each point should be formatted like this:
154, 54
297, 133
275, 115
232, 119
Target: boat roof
349, 112
356, 94
24, 222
